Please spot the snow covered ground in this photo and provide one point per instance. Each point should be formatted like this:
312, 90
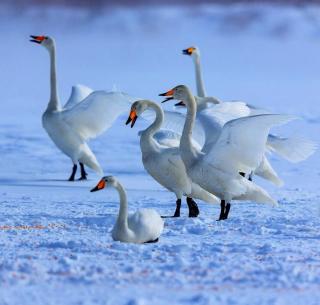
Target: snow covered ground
55, 243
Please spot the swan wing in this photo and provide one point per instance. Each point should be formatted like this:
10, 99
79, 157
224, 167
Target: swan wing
242, 142
97, 112
78, 94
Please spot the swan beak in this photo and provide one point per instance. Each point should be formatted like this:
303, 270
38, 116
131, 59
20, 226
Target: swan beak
132, 118
37, 39
101, 185
169, 94
180, 104
188, 51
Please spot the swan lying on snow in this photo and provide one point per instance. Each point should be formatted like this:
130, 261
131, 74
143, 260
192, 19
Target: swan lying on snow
293, 149
85, 116
164, 163
144, 226
240, 146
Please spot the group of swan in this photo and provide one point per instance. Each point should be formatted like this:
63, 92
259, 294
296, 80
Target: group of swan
205, 153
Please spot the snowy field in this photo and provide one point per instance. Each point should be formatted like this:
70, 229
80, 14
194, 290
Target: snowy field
55, 243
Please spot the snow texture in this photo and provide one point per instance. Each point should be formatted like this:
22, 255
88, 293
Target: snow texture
55, 242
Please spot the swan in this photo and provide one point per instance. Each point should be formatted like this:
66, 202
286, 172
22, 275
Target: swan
86, 114
144, 226
164, 163
292, 149
240, 145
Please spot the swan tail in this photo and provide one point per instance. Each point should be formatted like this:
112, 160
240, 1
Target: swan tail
90, 160
293, 149
266, 171
256, 194
199, 193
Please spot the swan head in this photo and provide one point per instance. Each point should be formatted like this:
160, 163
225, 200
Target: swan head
137, 108
45, 41
106, 181
180, 92
194, 52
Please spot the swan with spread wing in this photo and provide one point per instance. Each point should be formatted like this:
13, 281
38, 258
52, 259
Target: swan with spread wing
86, 115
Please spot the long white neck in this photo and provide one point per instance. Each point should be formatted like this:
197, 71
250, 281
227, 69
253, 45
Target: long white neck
54, 103
187, 151
201, 91
147, 140
123, 211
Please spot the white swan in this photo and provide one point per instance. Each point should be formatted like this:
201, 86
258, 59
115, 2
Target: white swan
144, 226
85, 115
164, 163
240, 146
293, 149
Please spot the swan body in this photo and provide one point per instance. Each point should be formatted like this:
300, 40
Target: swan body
86, 115
293, 149
144, 226
239, 147
164, 163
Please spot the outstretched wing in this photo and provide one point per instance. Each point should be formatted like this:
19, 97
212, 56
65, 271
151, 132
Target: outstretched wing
78, 94
242, 142
97, 112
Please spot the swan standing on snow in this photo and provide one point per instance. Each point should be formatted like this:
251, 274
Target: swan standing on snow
240, 146
144, 226
293, 149
164, 163
85, 115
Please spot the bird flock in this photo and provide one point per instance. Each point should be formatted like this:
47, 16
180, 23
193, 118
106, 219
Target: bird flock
203, 149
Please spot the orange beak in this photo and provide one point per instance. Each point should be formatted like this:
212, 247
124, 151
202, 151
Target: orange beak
101, 185
188, 51
37, 39
132, 118
169, 93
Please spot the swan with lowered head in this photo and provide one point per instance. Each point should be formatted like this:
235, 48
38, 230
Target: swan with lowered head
144, 226
293, 149
164, 163
239, 147
85, 116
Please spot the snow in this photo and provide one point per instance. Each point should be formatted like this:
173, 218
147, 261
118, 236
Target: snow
55, 242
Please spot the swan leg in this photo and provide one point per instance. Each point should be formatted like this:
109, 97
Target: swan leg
178, 206
250, 176
222, 209
193, 207
227, 210
83, 172
242, 174
152, 241
74, 170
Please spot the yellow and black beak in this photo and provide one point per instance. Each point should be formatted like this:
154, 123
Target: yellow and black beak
180, 104
188, 51
101, 185
169, 93
132, 118
37, 39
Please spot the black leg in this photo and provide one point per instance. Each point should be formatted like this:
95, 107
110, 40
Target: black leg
250, 176
193, 207
152, 241
242, 174
83, 172
178, 206
227, 210
222, 209
74, 170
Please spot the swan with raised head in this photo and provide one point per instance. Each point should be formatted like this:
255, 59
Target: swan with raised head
293, 149
240, 146
164, 163
85, 116
144, 226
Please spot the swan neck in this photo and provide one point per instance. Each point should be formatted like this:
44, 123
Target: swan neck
199, 79
54, 99
187, 151
123, 211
